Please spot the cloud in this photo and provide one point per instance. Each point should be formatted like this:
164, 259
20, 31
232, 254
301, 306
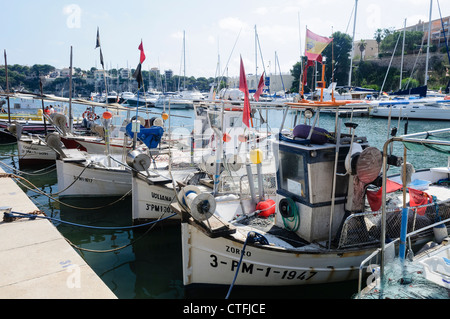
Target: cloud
232, 24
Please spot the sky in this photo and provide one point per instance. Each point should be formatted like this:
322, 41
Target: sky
217, 33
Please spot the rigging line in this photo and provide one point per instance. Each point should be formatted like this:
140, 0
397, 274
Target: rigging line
350, 19
232, 50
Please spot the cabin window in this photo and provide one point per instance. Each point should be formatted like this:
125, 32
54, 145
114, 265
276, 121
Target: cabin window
292, 173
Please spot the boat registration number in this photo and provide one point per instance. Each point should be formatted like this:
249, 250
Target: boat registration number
251, 269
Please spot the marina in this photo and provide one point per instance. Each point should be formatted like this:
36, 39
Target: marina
128, 254
127, 184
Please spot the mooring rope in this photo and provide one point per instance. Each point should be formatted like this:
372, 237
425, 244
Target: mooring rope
37, 190
12, 216
35, 173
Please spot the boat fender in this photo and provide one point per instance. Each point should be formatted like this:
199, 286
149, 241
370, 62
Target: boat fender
319, 135
266, 208
352, 159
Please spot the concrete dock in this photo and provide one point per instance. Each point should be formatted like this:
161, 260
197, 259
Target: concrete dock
36, 262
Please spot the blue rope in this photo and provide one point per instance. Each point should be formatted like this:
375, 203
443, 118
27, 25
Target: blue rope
252, 237
32, 217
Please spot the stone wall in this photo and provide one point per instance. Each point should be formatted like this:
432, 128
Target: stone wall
408, 61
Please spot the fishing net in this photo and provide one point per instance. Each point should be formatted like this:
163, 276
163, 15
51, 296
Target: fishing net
365, 228
424, 147
405, 280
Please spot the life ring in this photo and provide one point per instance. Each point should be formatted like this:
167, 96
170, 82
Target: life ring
89, 115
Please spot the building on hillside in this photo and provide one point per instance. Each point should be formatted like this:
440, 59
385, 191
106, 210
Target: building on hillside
370, 52
437, 32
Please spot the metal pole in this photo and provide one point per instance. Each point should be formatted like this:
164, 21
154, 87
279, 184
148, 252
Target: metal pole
7, 89
403, 49
353, 46
70, 93
428, 44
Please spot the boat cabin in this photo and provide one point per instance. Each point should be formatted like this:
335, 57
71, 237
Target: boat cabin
315, 184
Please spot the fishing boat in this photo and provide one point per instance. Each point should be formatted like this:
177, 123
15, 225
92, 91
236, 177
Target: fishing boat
399, 269
192, 159
319, 232
313, 229
106, 174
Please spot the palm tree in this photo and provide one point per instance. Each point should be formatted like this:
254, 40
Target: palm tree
362, 47
378, 36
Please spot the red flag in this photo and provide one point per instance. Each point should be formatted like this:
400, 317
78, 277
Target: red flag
244, 88
260, 88
141, 47
417, 198
374, 198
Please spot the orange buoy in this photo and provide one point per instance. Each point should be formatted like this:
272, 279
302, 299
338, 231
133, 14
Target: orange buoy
107, 115
266, 208
226, 137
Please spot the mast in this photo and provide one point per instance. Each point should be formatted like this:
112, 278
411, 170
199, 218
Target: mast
7, 88
403, 49
353, 46
70, 93
428, 44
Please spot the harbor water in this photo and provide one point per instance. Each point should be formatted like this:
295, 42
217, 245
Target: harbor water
138, 263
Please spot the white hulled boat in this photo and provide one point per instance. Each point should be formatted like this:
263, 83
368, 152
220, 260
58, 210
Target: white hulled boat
319, 230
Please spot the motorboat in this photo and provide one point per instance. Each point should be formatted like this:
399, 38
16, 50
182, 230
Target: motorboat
173, 101
436, 108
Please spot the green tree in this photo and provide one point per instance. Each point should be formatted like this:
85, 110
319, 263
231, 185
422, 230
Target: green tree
340, 49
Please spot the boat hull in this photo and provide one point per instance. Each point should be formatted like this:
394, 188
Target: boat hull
214, 261
91, 181
151, 202
412, 112
35, 153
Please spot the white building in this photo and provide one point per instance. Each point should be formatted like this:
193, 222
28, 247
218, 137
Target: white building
276, 83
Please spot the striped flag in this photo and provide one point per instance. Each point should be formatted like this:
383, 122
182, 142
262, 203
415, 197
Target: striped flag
315, 44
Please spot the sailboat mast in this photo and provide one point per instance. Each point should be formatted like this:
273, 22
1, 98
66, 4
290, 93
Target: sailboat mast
403, 50
70, 93
184, 60
428, 43
7, 88
353, 46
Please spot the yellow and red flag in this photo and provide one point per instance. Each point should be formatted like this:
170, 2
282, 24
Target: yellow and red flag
315, 44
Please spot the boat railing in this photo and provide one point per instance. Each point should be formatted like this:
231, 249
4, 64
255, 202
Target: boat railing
374, 260
365, 228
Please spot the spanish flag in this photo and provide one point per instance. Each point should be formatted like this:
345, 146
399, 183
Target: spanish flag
315, 44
